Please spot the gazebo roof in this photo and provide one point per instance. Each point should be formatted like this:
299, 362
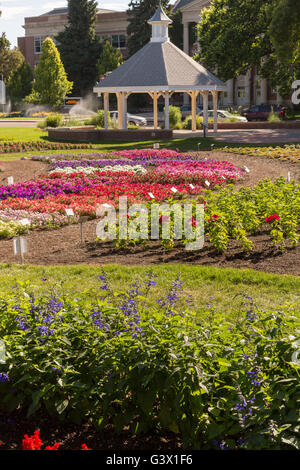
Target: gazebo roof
160, 66
163, 66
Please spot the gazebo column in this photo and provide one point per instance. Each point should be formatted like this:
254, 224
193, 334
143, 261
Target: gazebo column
193, 94
106, 110
155, 95
124, 110
205, 108
215, 108
120, 113
155, 114
167, 115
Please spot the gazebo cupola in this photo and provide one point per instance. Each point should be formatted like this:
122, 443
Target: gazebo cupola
160, 26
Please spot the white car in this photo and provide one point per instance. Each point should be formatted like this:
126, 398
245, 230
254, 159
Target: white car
223, 115
131, 119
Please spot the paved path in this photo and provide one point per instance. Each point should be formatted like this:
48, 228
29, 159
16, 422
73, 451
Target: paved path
18, 123
258, 136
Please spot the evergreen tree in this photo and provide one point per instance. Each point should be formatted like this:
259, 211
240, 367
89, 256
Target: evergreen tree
110, 59
51, 84
20, 83
79, 47
138, 30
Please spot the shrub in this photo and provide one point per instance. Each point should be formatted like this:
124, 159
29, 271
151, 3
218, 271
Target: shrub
98, 119
187, 124
117, 359
54, 120
175, 117
273, 117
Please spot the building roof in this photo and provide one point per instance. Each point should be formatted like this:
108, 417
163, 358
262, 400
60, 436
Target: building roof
160, 66
61, 11
181, 3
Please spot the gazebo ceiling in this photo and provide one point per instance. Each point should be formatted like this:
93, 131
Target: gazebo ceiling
160, 66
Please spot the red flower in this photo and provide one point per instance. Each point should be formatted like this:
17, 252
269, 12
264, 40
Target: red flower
193, 222
213, 217
271, 218
84, 447
33, 442
54, 447
163, 218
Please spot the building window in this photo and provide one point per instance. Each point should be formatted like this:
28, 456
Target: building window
118, 40
38, 41
241, 92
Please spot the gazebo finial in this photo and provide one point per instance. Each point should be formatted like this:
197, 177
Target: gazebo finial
160, 22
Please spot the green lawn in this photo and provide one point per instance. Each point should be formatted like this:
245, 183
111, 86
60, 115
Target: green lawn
226, 284
18, 134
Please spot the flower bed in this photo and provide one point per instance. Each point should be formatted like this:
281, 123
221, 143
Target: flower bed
215, 381
16, 147
287, 153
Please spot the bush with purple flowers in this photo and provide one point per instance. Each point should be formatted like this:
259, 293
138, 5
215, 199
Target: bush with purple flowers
115, 358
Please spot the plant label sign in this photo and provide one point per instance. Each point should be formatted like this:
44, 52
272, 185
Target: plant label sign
20, 245
174, 190
151, 196
70, 212
192, 186
10, 180
156, 146
25, 222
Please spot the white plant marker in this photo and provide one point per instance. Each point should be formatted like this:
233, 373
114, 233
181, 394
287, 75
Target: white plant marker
174, 190
289, 176
151, 196
20, 247
192, 186
25, 222
156, 145
10, 180
246, 169
207, 183
69, 212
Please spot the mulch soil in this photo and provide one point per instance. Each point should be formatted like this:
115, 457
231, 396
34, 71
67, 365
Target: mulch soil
71, 436
63, 246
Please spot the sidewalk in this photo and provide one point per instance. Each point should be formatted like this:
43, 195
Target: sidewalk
257, 136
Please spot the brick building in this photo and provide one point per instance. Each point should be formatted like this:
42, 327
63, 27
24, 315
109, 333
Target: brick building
110, 24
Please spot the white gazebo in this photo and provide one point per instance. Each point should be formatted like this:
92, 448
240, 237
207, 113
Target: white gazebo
160, 69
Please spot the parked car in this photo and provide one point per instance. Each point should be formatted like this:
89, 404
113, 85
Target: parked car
223, 115
261, 112
186, 110
131, 118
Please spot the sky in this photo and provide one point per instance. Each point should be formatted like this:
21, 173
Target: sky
14, 12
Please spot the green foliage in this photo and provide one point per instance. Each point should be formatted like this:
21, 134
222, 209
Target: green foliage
54, 120
273, 117
175, 117
79, 47
11, 229
98, 119
10, 59
242, 213
110, 59
235, 36
187, 124
51, 85
20, 83
111, 358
